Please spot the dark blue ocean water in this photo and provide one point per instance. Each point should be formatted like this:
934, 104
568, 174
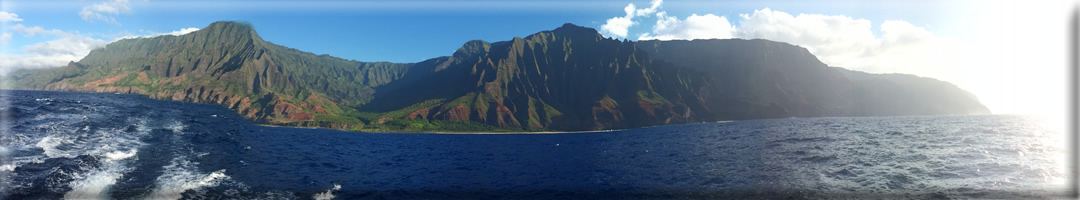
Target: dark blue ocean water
82, 145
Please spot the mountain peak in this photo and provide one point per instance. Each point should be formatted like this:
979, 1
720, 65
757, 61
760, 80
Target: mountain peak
573, 30
569, 27
231, 29
472, 47
231, 23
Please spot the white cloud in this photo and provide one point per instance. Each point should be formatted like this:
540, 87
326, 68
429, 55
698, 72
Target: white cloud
706, 26
655, 4
57, 53
75, 46
105, 11
152, 34
835, 39
619, 26
182, 31
848, 42
31, 31
9, 17
5, 38
54, 53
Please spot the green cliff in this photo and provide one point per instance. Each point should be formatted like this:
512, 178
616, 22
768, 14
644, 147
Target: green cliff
570, 78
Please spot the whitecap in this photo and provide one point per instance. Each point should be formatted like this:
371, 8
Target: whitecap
113, 148
7, 168
49, 144
177, 127
328, 194
95, 185
181, 175
120, 155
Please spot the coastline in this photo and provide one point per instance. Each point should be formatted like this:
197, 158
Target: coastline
449, 132
324, 128
491, 133
512, 133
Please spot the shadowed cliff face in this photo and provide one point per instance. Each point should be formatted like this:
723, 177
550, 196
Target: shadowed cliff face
570, 78
766, 79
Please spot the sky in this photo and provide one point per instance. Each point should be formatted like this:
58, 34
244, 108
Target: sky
1011, 54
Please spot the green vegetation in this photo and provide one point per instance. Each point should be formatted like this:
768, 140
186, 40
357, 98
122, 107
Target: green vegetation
370, 117
570, 78
608, 102
468, 101
422, 125
651, 97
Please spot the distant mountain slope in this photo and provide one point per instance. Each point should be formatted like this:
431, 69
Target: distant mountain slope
570, 78
766, 79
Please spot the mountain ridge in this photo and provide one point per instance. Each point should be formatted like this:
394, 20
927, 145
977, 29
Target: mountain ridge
568, 78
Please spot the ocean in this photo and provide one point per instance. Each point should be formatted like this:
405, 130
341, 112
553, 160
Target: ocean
119, 146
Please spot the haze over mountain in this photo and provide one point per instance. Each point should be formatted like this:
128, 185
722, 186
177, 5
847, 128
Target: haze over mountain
569, 78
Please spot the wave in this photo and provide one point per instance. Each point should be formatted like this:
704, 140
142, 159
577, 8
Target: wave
183, 175
113, 148
168, 150
328, 194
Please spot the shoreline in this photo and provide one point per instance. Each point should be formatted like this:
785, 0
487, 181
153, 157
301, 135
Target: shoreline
491, 133
449, 132
509, 133
5, 90
391, 132
553, 132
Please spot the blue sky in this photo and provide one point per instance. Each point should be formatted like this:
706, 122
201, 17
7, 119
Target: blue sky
402, 31
973, 44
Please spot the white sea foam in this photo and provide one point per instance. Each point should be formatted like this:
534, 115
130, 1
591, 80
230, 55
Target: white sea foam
328, 194
182, 175
177, 127
7, 167
49, 144
120, 155
109, 143
113, 147
95, 185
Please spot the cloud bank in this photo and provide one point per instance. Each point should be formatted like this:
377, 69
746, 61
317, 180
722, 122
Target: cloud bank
706, 26
152, 34
837, 40
64, 46
53, 53
58, 52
